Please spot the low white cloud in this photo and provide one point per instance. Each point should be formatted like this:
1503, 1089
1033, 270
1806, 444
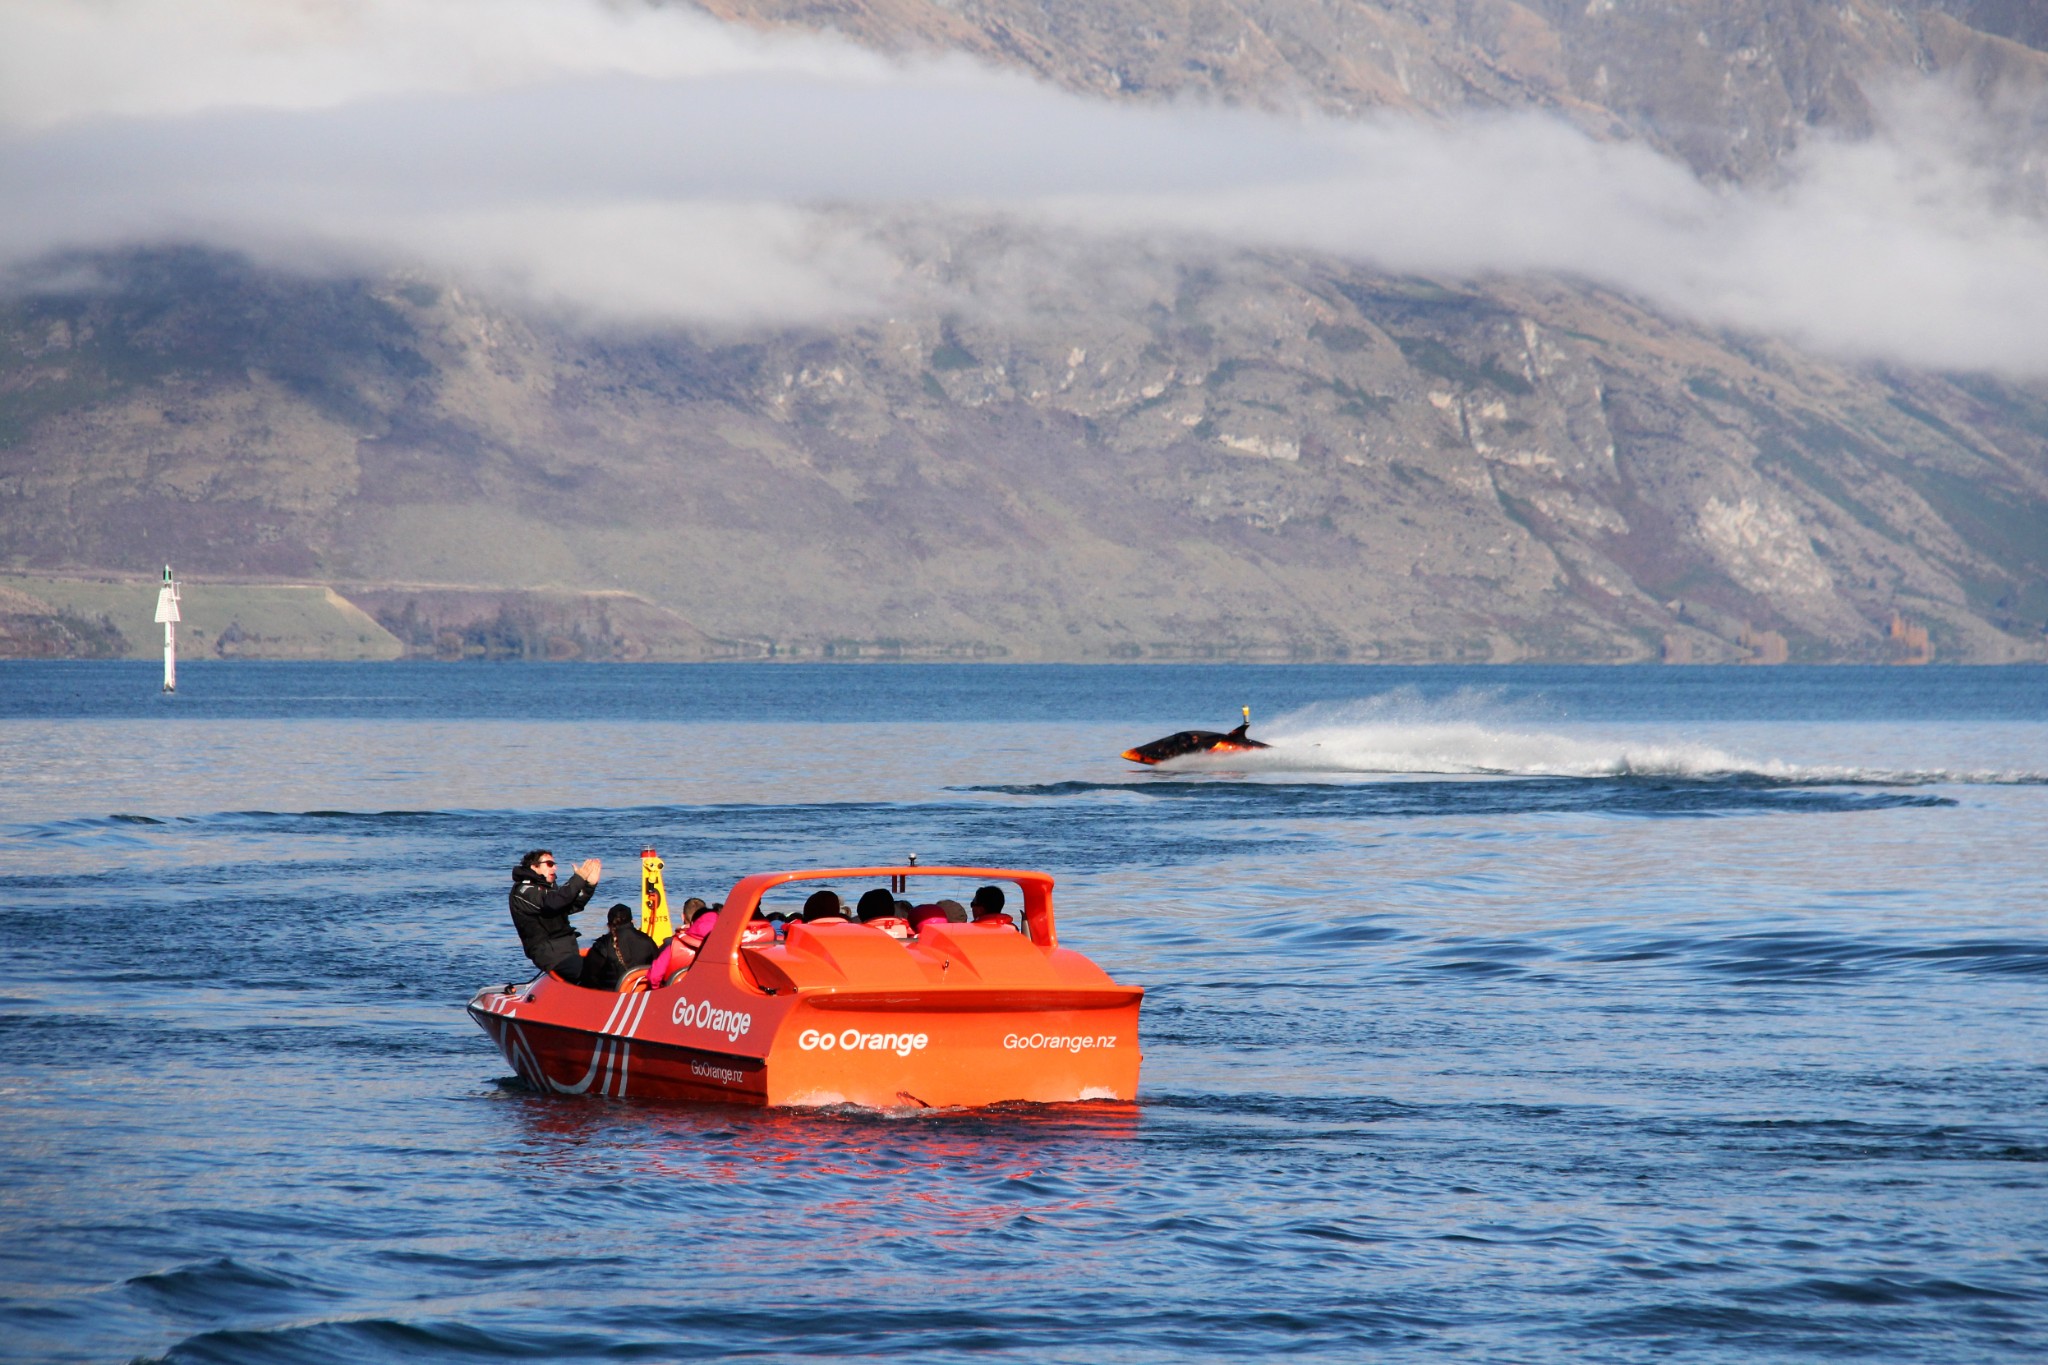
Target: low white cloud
1897, 247
650, 163
659, 261
63, 60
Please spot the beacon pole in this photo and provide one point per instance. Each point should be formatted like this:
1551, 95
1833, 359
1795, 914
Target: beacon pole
167, 613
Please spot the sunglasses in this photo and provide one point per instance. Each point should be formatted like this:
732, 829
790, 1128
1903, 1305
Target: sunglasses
545, 862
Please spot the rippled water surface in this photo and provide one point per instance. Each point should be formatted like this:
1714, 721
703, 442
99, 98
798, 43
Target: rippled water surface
1495, 1014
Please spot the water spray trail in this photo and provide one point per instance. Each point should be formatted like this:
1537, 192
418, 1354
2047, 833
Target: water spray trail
1401, 733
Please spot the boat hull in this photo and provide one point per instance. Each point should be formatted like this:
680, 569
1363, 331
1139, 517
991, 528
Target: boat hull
1186, 742
910, 1051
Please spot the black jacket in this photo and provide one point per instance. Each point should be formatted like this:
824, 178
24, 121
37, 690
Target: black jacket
541, 915
602, 967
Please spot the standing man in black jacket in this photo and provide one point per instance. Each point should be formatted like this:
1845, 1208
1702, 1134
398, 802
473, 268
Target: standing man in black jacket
541, 910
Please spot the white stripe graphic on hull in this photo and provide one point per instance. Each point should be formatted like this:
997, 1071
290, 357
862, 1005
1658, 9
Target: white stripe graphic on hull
610, 1059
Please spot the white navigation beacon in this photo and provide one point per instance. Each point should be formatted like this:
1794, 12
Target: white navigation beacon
167, 613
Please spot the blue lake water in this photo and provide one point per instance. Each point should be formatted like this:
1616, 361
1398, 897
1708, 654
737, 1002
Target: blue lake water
1494, 1014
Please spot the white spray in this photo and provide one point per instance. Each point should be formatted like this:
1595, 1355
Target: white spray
1467, 734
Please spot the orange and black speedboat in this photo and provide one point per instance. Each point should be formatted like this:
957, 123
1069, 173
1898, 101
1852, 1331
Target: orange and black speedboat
1181, 743
839, 1012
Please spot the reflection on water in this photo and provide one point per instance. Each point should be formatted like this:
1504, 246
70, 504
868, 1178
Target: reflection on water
1739, 1060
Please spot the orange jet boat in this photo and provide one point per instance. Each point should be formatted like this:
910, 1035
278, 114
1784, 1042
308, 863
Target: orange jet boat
1181, 743
839, 1012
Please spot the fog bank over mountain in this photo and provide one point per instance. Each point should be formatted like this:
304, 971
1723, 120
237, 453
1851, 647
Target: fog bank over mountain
1476, 329
655, 141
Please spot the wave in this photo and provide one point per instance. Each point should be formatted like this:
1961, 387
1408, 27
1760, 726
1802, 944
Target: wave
1398, 734
225, 1284
1236, 799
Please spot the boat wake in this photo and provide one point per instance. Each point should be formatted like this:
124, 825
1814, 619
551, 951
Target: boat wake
1401, 735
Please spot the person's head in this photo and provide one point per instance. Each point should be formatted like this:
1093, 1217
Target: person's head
920, 915
956, 913
540, 862
876, 904
988, 900
618, 917
693, 907
823, 905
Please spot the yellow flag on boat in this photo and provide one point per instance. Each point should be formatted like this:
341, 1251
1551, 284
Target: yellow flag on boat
654, 920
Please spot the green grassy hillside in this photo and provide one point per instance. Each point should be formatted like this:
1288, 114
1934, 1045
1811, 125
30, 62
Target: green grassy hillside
221, 620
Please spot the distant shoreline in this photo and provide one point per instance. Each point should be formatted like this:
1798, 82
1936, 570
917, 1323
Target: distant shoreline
82, 614
922, 661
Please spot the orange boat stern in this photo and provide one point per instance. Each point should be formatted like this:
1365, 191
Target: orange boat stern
887, 1055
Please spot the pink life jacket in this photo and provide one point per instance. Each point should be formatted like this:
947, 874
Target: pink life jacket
675, 955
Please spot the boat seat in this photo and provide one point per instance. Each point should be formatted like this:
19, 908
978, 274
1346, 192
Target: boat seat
635, 980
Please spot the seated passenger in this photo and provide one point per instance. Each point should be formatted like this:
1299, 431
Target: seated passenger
988, 906
677, 952
700, 924
680, 951
675, 955
921, 915
956, 913
878, 908
622, 948
824, 905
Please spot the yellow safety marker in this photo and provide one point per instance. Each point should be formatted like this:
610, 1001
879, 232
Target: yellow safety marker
654, 921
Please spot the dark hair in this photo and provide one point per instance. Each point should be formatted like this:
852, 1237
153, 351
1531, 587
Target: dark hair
876, 904
529, 859
988, 900
694, 907
617, 918
823, 905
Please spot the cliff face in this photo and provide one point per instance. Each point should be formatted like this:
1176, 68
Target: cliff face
1206, 453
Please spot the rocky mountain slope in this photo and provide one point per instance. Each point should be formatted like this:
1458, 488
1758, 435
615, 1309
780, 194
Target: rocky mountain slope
1202, 453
